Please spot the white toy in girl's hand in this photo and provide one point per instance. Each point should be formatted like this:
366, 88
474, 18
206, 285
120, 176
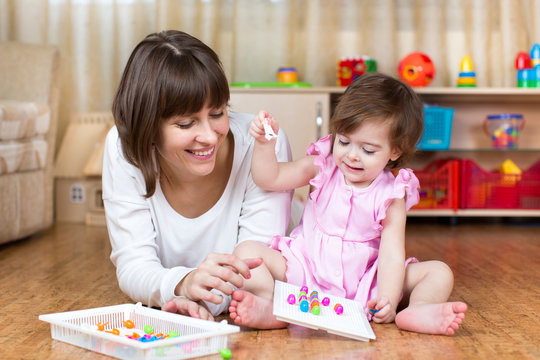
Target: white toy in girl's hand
269, 133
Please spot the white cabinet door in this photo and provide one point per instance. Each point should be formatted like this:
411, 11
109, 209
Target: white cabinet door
303, 116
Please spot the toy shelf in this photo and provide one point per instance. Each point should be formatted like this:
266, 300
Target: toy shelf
297, 109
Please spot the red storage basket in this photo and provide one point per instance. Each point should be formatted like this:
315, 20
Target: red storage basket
439, 185
481, 189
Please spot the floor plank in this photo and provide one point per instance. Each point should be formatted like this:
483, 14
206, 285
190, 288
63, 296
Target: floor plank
496, 268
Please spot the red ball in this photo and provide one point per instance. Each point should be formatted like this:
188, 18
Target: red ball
416, 69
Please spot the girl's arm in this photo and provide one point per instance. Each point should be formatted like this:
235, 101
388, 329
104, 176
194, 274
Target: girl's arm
267, 172
391, 268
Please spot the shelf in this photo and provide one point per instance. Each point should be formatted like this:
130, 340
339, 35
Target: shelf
484, 150
476, 212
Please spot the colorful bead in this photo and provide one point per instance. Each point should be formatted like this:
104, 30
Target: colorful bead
326, 301
291, 299
338, 309
148, 329
304, 306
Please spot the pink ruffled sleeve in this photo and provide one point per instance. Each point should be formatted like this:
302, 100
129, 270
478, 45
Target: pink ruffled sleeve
322, 149
406, 185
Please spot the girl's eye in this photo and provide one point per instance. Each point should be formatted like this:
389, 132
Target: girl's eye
343, 142
369, 152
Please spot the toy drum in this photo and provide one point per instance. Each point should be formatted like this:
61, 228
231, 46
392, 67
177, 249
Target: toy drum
503, 129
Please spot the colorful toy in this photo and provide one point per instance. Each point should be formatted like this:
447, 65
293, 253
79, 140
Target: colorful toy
304, 305
326, 301
338, 309
416, 69
467, 75
349, 69
287, 75
291, 299
504, 130
148, 329
314, 306
129, 324
373, 311
528, 68
512, 173
225, 353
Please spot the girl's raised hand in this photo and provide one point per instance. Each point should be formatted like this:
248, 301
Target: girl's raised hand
382, 310
257, 127
217, 271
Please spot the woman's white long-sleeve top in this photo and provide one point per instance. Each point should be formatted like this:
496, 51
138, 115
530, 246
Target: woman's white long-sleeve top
154, 247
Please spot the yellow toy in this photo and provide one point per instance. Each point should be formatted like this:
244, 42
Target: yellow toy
512, 172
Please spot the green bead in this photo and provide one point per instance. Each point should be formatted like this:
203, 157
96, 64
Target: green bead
148, 329
225, 353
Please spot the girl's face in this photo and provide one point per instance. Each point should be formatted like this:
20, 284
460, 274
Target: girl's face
362, 154
188, 145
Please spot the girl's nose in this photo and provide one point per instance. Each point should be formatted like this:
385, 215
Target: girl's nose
354, 155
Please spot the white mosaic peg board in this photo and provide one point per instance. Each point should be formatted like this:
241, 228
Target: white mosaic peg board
353, 323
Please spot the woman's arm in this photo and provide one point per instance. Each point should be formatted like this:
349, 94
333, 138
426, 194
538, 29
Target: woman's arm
391, 263
266, 171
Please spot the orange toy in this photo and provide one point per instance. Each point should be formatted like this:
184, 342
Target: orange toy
416, 69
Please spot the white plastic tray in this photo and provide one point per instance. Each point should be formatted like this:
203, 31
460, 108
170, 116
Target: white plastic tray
353, 323
196, 337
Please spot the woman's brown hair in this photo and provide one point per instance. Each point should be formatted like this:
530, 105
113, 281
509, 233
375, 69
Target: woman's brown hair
376, 96
168, 73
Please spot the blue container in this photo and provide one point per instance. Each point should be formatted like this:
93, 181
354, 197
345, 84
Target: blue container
437, 128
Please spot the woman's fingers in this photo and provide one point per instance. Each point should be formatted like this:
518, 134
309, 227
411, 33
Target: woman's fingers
187, 307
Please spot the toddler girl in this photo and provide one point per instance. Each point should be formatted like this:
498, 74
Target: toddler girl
351, 239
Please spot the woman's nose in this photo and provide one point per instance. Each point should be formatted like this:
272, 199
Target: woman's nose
205, 133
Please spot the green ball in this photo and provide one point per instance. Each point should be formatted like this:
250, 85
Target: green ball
148, 329
316, 310
225, 353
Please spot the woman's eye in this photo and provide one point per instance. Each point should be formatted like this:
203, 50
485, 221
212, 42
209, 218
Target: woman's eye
217, 115
184, 125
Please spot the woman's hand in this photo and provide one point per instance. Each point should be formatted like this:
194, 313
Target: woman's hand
382, 310
187, 307
256, 129
217, 271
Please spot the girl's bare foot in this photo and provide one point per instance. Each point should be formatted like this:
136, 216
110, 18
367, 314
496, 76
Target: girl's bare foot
249, 310
442, 319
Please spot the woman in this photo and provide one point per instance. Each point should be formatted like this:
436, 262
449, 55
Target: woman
177, 188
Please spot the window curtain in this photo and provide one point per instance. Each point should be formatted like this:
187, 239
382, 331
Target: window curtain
256, 37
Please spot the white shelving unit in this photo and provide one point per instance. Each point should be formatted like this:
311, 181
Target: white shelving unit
297, 109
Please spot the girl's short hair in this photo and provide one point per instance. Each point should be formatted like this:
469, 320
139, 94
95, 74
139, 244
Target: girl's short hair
168, 73
378, 96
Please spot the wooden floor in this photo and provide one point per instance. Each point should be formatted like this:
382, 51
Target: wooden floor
496, 267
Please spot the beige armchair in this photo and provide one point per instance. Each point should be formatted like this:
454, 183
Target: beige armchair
29, 92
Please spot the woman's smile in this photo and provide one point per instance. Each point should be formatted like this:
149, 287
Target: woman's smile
202, 154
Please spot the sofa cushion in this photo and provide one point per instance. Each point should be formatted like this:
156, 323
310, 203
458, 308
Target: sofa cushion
19, 119
23, 155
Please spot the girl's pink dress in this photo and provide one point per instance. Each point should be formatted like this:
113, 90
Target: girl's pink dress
335, 247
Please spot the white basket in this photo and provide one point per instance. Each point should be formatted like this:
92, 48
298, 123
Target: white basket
196, 337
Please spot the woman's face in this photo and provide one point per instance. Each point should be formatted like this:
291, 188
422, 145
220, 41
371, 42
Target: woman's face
188, 144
